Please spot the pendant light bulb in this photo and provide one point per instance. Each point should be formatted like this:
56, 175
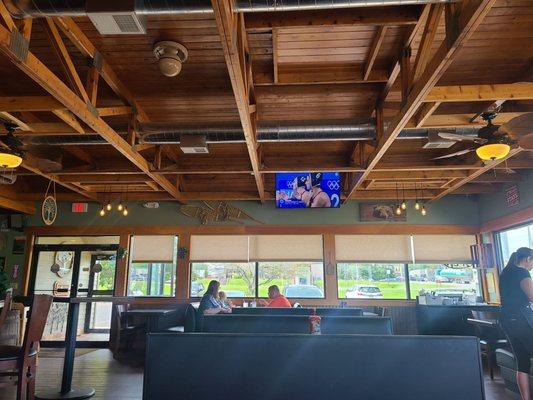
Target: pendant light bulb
102, 211
120, 207
423, 212
398, 210
404, 205
417, 205
125, 211
109, 207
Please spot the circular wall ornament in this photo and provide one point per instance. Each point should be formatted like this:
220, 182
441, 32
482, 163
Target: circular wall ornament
49, 210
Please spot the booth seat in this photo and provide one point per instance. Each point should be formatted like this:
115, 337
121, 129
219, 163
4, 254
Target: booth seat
233, 323
339, 312
312, 367
346, 312
507, 363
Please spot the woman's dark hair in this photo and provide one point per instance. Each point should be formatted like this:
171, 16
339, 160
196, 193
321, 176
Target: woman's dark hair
212, 288
521, 254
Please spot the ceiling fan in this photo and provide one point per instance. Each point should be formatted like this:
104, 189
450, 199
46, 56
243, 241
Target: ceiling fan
494, 142
13, 152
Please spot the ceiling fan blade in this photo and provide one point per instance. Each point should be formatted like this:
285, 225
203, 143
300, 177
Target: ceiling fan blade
457, 153
526, 142
455, 137
519, 126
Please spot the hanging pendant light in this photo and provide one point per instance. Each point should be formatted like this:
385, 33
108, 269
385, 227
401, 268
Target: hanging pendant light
417, 203
398, 210
423, 211
125, 211
108, 207
404, 204
120, 207
102, 211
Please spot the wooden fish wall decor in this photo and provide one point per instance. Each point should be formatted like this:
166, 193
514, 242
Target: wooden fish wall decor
216, 211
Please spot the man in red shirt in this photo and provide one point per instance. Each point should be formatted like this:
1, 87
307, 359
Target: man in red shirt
276, 298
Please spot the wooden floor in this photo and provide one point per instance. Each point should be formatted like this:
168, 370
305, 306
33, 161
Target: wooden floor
113, 380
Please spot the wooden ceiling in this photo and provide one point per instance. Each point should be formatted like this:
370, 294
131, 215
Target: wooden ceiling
404, 67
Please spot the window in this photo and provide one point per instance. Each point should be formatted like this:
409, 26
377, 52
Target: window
371, 281
152, 270
236, 279
460, 279
294, 279
512, 239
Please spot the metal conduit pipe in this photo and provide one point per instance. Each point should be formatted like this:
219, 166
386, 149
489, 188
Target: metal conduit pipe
77, 8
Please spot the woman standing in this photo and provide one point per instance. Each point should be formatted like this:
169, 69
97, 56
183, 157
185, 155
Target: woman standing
210, 303
516, 291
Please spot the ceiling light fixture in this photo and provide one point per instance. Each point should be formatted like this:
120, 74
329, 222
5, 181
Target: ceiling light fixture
404, 204
102, 211
417, 203
494, 151
398, 210
170, 56
9, 160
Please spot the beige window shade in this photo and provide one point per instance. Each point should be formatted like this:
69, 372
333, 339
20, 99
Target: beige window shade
152, 248
443, 248
219, 248
367, 248
286, 248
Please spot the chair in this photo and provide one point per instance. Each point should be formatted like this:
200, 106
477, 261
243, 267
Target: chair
6, 309
491, 336
21, 361
124, 332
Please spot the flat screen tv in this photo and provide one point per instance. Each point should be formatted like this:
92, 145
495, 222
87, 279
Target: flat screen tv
308, 190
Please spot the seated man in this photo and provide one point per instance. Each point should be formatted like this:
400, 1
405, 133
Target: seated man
276, 298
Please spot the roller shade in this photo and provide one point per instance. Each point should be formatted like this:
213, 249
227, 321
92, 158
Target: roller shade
373, 248
153, 248
286, 248
443, 248
219, 248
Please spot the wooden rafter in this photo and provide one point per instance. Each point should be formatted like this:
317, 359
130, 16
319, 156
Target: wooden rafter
470, 15
234, 42
425, 112
374, 50
428, 36
37, 71
25, 207
513, 91
70, 119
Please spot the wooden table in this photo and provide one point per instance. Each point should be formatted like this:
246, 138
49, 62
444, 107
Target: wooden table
152, 315
66, 391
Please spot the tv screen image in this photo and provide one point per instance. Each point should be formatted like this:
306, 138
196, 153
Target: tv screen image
308, 190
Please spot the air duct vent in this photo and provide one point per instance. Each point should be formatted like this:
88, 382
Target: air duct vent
193, 144
115, 17
436, 142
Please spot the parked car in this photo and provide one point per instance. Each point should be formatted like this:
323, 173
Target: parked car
393, 279
364, 292
303, 291
197, 289
234, 293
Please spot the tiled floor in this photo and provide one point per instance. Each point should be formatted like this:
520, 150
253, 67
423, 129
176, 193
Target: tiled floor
115, 381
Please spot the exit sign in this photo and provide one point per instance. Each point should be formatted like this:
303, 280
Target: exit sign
79, 207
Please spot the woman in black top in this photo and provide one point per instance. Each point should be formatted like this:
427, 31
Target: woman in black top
516, 292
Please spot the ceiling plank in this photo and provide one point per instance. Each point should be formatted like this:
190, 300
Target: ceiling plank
404, 15
425, 112
70, 119
465, 21
85, 46
374, 50
233, 35
25, 207
37, 71
476, 174
512, 91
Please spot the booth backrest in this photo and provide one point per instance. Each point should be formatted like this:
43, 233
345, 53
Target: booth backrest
255, 323
272, 311
356, 325
339, 312
234, 323
311, 367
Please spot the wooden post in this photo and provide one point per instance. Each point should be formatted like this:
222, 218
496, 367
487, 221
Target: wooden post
183, 268
330, 269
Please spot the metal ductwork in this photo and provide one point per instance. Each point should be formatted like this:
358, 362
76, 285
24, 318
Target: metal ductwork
77, 8
234, 134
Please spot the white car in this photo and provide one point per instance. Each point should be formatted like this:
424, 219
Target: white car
364, 292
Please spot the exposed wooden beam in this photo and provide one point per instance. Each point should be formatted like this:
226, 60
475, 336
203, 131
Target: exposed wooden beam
29, 103
70, 119
8, 117
404, 15
454, 188
93, 76
114, 111
5, 16
428, 37
234, 43
374, 50
64, 58
37, 71
26, 207
512, 91
85, 46
426, 110
470, 15
453, 120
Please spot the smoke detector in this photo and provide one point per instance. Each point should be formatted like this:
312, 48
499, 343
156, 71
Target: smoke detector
170, 56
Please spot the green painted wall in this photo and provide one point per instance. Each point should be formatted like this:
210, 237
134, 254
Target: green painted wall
492, 206
6, 247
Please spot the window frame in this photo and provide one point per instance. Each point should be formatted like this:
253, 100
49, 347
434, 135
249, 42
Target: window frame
256, 274
496, 240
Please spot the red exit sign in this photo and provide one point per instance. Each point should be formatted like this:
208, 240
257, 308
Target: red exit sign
79, 207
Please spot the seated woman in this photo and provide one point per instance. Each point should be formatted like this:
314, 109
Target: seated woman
227, 303
210, 303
